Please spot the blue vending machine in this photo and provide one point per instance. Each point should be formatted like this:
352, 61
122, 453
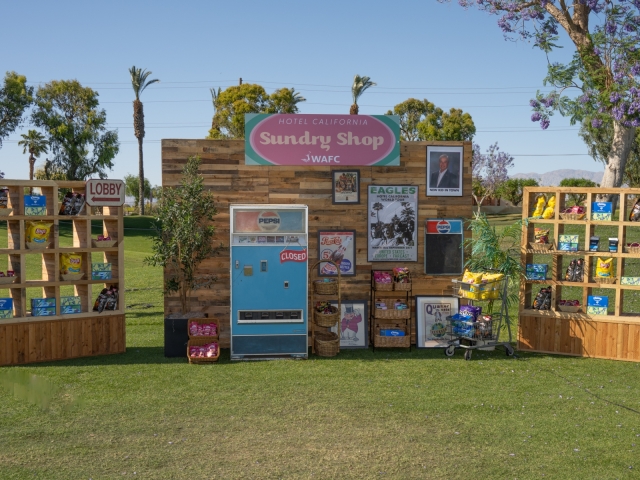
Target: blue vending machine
269, 266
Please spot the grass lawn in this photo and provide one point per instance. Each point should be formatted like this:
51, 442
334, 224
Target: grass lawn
388, 414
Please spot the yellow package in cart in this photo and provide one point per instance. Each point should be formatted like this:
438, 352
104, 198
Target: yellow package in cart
70, 263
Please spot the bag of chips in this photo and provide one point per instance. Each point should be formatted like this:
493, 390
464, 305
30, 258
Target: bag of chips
604, 267
38, 232
541, 235
551, 207
470, 277
70, 263
540, 201
634, 215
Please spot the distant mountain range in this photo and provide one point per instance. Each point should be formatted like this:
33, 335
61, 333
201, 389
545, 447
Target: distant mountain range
553, 178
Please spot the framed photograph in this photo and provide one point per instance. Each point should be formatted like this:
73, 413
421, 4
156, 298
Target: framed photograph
431, 319
444, 171
339, 246
346, 187
443, 246
392, 219
353, 327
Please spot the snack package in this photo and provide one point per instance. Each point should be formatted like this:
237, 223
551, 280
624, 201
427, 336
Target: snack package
70, 263
540, 201
541, 235
401, 275
470, 312
593, 244
550, 210
100, 302
543, 299
66, 204
604, 267
634, 214
4, 198
112, 299
382, 277
78, 204
470, 277
38, 232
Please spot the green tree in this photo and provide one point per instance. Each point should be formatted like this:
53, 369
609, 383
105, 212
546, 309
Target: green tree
599, 142
34, 143
75, 129
284, 100
231, 106
15, 97
513, 189
184, 234
139, 81
422, 120
214, 99
577, 198
360, 84
132, 188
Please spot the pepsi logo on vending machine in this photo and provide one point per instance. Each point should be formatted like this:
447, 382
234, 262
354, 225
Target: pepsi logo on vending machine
268, 221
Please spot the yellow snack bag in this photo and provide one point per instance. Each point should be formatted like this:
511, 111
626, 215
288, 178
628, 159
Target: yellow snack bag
38, 232
492, 277
550, 210
70, 263
604, 268
470, 277
539, 206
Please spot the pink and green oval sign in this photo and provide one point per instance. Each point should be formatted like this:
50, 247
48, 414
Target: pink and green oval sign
321, 140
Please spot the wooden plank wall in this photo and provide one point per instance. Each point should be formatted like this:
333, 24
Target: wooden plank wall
232, 182
43, 341
598, 339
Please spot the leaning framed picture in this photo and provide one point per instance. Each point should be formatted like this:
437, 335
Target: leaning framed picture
339, 246
392, 215
444, 171
345, 187
431, 319
353, 325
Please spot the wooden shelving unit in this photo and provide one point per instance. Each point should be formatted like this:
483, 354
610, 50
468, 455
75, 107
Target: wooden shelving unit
42, 338
616, 335
387, 318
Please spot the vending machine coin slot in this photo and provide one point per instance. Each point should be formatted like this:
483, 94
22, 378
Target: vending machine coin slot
248, 315
263, 265
286, 284
279, 315
264, 315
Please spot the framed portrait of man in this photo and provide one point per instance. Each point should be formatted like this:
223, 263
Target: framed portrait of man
444, 171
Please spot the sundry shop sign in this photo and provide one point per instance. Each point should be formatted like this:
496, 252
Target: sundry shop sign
321, 140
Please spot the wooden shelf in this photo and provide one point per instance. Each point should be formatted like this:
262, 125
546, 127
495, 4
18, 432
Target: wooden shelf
75, 316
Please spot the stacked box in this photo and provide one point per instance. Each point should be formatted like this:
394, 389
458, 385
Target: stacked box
43, 302
630, 281
537, 271
6, 308
43, 311
100, 271
568, 243
601, 211
70, 305
35, 205
597, 305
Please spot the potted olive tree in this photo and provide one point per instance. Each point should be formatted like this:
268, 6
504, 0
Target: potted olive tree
184, 229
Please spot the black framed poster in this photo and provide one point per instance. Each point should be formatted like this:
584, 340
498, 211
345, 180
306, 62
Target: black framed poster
444, 171
443, 246
353, 325
345, 187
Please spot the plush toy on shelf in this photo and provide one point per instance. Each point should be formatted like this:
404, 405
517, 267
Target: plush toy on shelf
540, 201
551, 206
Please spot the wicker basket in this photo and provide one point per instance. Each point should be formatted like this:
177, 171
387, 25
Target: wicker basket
7, 280
196, 342
203, 321
4, 212
393, 314
103, 243
326, 344
71, 277
605, 280
327, 319
322, 287
402, 287
568, 309
384, 287
573, 216
543, 247
400, 342
36, 245
634, 250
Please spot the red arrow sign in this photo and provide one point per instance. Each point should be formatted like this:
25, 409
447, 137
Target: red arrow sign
100, 199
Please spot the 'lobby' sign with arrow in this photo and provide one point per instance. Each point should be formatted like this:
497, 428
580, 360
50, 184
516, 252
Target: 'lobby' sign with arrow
104, 193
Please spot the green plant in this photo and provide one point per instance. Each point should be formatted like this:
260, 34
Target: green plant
513, 188
577, 198
493, 250
360, 84
184, 234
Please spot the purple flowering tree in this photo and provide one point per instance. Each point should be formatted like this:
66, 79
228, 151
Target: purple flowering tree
604, 70
488, 171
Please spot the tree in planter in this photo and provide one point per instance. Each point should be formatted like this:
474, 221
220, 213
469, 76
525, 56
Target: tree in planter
184, 234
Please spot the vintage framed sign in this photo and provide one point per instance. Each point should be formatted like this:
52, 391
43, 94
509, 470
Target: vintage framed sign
353, 325
345, 187
444, 171
339, 246
392, 219
443, 246
310, 139
431, 319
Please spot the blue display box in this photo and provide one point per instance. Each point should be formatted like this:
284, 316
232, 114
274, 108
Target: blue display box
35, 205
69, 301
6, 304
597, 301
392, 332
601, 211
568, 243
70, 309
42, 302
43, 311
536, 271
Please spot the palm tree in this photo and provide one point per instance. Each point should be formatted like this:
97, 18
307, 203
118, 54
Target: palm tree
214, 99
286, 100
34, 143
360, 84
139, 82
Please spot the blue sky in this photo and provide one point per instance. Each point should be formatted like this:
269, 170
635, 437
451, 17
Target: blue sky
421, 49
